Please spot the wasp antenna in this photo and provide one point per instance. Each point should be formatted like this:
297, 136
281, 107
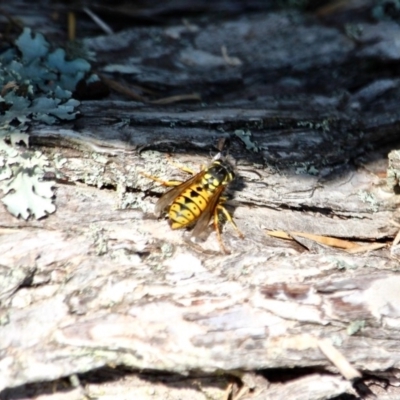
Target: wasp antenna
224, 144
221, 143
218, 156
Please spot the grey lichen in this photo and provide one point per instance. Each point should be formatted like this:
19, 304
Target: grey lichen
25, 192
36, 85
247, 138
355, 326
368, 198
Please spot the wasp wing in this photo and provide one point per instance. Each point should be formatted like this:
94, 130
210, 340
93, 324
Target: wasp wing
204, 219
167, 198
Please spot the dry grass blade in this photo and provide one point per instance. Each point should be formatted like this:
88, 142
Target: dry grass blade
326, 240
123, 89
338, 360
71, 26
100, 23
332, 7
279, 235
396, 239
7, 87
228, 392
368, 247
12, 22
118, 87
177, 98
232, 61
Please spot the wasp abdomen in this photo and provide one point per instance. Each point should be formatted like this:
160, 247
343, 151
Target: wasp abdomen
188, 206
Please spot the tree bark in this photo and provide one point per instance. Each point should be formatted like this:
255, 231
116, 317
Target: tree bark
103, 283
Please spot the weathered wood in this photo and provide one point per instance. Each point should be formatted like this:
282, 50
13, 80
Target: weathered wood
103, 283
107, 290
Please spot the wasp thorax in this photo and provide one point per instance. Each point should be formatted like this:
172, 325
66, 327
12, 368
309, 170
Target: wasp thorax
222, 172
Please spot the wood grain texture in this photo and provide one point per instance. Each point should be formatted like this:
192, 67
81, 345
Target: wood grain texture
102, 285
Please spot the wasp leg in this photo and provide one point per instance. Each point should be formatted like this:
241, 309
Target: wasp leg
216, 226
164, 183
184, 169
181, 167
230, 219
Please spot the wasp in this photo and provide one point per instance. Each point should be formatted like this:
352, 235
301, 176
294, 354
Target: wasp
199, 199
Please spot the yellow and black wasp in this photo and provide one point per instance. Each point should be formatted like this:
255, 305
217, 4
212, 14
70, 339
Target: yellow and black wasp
195, 201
